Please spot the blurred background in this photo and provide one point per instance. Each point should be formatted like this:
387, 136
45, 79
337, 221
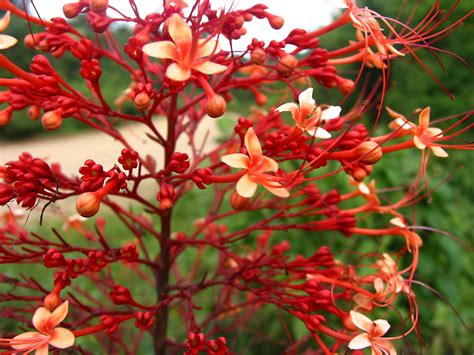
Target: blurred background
445, 263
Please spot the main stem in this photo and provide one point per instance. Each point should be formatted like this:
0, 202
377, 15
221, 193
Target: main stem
162, 276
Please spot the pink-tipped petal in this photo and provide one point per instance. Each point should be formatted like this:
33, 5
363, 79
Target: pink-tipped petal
360, 341
268, 164
5, 21
207, 47
237, 160
162, 50
394, 114
181, 33
330, 113
209, 68
62, 338
361, 321
288, 107
59, 314
41, 320
28, 340
177, 73
277, 191
378, 285
381, 327
439, 152
42, 350
418, 143
306, 100
7, 41
253, 146
424, 119
246, 187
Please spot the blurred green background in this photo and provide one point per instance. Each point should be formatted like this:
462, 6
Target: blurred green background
445, 264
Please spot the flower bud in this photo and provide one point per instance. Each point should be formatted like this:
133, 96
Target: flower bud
52, 301
34, 112
142, 101
368, 152
52, 120
276, 22
88, 204
120, 295
73, 9
5, 116
287, 64
258, 56
358, 174
238, 202
346, 86
348, 324
215, 106
29, 41
99, 6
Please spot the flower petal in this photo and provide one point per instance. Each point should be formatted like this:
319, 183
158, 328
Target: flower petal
236, 160
5, 21
306, 100
28, 340
361, 321
246, 187
162, 49
277, 191
378, 285
181, 33
330, 113
42, 350
424, 119
253, 146
177, 73
59, 314
209, 68
62, 338
41, 318
7, 41
268, 164
319, 133
381, 327
288, 107
207, 47
439, 152
418, 143
360, 341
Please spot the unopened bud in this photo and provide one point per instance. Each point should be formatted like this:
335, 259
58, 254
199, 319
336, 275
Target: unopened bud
52, 120
260, 98
348, 324
142, 101
258, 56
73, 9
238, 202
215, 106
29, 41
368, 152
276, 22
88, 204
52, 301
5, 116
346, 86
358, 174
99, 6
287, 64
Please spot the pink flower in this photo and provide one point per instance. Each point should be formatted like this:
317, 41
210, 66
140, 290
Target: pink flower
423, 135
6, 41
373, 335
308, 116
256, 165
45, 322
188, 52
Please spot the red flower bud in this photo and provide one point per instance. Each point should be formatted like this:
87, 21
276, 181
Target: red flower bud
215, 106
144, 320
276, 22
53, 258
258, 56
99, 5
34, 112
238, 202
88, 204
287, 64
52, 120
5, 116
166, 196
142, 101
52, 301
73, 9
368, 152
120, 295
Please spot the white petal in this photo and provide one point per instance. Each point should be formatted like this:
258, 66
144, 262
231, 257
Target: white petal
439, 152
319, 133
381, 327
288, 107
330, 113
246, 187
361, 321
305, 99
361, 341
236, 160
